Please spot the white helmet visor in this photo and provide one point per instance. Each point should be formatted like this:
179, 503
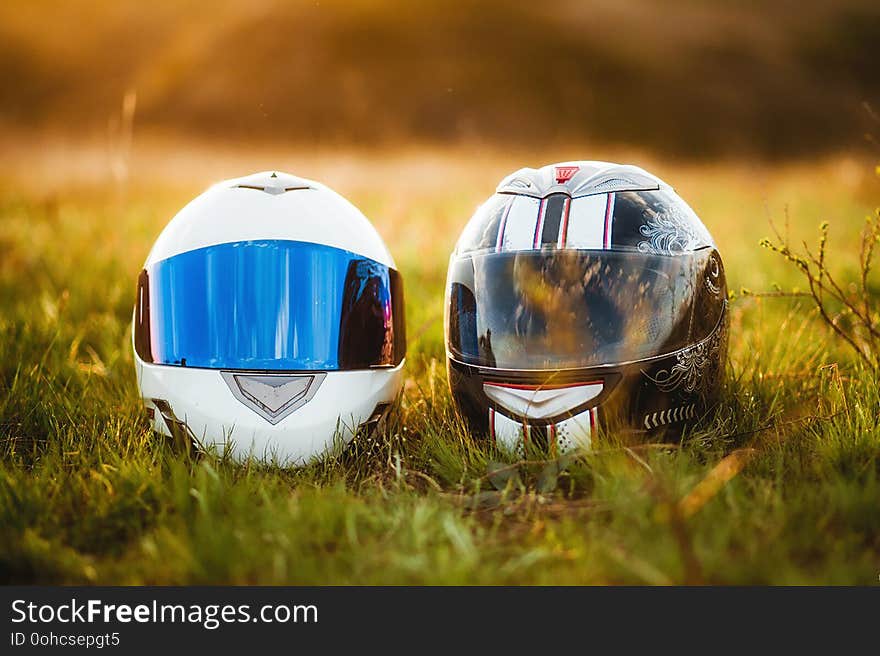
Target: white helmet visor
270, 305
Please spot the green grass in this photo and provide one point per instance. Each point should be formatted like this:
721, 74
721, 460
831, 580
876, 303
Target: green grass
88, 495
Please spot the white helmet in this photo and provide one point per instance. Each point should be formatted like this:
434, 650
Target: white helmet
269, 320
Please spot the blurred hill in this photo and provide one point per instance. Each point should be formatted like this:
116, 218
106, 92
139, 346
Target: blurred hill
777, 78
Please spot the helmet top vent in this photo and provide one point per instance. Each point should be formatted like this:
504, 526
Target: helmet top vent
578, 178
607, 184
273, 183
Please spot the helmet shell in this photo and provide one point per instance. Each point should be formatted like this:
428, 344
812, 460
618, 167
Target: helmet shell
288, 207
584, 295
248, 301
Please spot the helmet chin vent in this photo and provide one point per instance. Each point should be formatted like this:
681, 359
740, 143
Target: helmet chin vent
273, 396
541, 401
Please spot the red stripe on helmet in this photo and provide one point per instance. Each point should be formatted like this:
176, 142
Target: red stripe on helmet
492, 424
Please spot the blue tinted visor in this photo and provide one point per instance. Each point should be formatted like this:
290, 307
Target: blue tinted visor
270, 305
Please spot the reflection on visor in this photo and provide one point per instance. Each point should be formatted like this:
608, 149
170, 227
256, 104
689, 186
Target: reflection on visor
571, 309
270, 305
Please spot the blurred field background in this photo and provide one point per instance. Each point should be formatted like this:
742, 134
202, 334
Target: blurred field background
686, 77
114, 115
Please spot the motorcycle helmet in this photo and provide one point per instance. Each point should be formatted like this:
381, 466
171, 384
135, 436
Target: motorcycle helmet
584, 295
269, 320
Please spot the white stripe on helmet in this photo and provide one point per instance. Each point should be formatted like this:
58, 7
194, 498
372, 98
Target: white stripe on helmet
586, 222
519, 228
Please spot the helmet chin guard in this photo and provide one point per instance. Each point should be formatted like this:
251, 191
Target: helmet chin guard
584, 295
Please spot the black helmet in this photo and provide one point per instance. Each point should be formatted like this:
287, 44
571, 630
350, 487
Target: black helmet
584, 294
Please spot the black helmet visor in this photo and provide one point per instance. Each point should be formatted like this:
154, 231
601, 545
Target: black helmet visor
565, 308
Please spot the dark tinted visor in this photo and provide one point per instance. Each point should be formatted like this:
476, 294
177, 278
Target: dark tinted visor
270, 304
560, 309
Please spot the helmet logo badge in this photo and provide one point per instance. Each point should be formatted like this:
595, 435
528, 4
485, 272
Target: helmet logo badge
273, 396
565, 173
